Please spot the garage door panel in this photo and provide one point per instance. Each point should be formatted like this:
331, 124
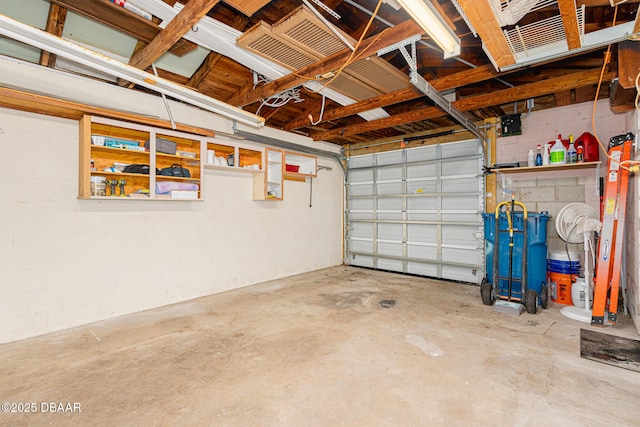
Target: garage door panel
390, 264
390, 232
389, 158
389, 188
389, 248
460, 185
458, 203
459, 235
422, 216
422, 170
361, 230
423, 269
422, 233
422, 252
459, 167
360, 204
421, 154
422, 187
460, 149
362, 261
424, 208
388, 174
422, 203
390, 203
361, 190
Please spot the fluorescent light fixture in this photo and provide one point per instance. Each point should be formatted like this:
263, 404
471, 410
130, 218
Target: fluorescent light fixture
423, 12
66, 49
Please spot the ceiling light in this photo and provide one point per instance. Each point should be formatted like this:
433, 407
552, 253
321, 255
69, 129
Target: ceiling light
423, 12
61, 47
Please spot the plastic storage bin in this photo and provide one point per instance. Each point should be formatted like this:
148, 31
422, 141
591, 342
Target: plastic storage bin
536, 251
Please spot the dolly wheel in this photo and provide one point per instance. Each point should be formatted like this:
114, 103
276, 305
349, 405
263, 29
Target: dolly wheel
544, 297
531, 301
485, 292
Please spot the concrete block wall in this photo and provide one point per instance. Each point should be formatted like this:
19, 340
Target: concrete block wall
631, 270
66, 262
551, 191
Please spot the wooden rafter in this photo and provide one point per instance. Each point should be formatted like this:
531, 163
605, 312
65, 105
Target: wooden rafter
531, 90
570, 23
205, 68
179, 25
562, 98
462, 78
121, 19
486, 24
55, 26
330, 64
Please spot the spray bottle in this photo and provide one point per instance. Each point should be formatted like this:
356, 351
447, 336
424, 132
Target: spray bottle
558, 153
545, 154
572, 153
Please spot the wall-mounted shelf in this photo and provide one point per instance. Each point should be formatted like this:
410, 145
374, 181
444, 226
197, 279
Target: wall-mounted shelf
569, 166
107, 146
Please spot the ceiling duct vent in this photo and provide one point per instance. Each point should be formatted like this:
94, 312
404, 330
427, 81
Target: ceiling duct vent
301, 39
540, 37
509, 12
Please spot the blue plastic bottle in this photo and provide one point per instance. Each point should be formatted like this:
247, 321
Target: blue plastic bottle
539, 157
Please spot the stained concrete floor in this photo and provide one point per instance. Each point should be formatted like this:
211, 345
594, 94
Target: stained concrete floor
319, 349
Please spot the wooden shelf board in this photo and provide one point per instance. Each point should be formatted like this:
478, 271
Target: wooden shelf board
524, 169
233, 169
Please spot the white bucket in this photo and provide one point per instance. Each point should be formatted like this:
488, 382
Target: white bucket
578, 290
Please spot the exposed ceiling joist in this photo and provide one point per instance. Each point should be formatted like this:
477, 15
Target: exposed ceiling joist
183, 22
531, 90
121, 19
55, 25
330, 64
462, 78
570, 23
488, 28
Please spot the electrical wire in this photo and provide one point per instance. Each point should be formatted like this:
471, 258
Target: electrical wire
607, 59
321, 112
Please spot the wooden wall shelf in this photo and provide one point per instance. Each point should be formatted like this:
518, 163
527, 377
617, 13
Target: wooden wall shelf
570, 166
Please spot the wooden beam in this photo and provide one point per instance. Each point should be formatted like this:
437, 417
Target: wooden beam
531, 90
179, 25
628, 63
55, 26
205, 68
562, 98
332, 63
41, 104
570, 23
467, 77
486, 24
121, 19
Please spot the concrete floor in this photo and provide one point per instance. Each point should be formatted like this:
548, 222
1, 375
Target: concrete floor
318, 349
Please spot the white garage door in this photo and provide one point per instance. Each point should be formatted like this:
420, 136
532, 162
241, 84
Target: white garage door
418, 211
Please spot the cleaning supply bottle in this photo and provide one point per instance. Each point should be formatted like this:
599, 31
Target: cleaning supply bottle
531, 158
558, 153
545, 155
580, 153
572, 153
539, 156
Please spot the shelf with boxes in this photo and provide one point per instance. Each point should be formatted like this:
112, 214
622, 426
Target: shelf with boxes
122, 160
233, 157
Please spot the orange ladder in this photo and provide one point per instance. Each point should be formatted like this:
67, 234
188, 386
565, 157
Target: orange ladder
607, 281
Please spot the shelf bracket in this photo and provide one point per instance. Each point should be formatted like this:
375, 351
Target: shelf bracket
425, 87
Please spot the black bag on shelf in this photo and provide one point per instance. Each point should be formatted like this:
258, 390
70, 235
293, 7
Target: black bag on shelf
136, 168
175, 170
